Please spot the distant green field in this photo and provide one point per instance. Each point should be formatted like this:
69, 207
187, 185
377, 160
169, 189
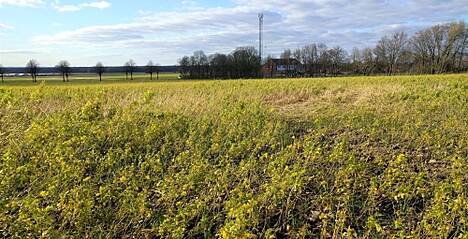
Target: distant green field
87, 79
351, 157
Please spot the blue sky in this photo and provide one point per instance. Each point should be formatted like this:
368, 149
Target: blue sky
113, 31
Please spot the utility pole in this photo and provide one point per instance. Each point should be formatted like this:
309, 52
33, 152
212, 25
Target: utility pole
260, 35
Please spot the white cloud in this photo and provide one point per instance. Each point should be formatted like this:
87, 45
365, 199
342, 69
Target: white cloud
21, 3
22, 52
74, 8
98, 5
288, 24
67, 8
5, 26
169, 24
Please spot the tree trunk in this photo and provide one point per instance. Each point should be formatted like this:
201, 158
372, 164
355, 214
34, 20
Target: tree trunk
63, 77
151, 76
131, 75
157, 75
2, 78
100, 77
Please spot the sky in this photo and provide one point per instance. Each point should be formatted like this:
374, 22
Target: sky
113, 31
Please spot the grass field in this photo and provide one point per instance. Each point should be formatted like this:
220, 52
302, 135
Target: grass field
87, 79
370, 157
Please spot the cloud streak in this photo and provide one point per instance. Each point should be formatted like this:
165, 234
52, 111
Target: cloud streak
22, 52
5, 27
21, 3
77, 7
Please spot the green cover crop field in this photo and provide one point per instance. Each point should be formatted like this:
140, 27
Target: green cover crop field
363, 157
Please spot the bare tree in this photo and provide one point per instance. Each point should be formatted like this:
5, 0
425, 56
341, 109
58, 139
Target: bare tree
362, 61
63, 67
130, 68
458, 39
308, 55
355, 61
286, 55
245, 62
158, 70
127, 70
437, 49
185, 66
219, 64
2, 72
99, 69
151, 69
323, 59
423, 51
32, 68
368, 61
200, 63
298, 55
196, 66
337, 56
389, 50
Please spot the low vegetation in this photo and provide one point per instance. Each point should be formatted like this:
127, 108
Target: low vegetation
371, 157
86, 79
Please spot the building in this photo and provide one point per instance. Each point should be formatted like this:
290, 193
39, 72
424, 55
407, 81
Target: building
282, 68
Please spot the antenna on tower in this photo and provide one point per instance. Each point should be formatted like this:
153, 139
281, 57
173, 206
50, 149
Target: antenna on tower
260, 35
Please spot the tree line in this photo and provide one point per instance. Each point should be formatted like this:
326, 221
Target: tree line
243, 62
438, 49
64, 69
435, 50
